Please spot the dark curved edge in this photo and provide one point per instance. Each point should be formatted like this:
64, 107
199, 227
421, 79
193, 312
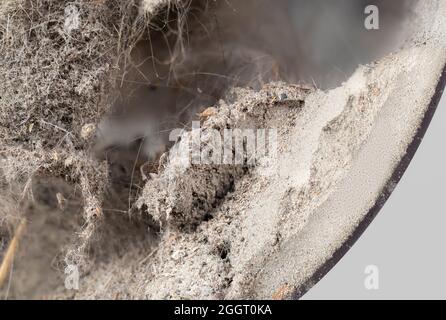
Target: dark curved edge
384, 196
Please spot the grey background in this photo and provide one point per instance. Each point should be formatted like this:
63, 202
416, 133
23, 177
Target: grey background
407, 239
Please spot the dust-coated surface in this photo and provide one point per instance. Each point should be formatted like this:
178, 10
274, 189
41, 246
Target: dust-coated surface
406, 240
192, 230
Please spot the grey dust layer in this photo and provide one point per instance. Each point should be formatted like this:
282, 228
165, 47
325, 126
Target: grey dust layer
224, 232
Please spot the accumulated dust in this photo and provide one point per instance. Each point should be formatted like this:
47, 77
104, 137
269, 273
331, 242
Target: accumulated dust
91, 93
